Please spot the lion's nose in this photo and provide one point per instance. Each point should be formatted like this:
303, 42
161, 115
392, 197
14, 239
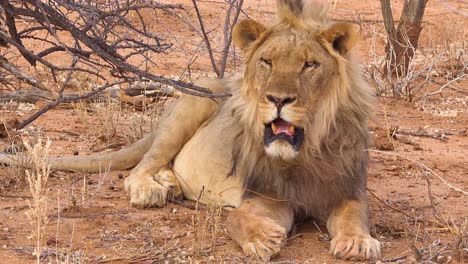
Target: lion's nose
280, 101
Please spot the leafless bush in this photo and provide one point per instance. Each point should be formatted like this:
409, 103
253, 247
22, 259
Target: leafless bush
425, 67
109, 115
394, 83
402, 41
232, 15
109, 40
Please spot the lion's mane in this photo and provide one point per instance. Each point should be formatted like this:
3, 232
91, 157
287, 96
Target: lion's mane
331, 165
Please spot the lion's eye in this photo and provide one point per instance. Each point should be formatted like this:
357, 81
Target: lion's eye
311, 65
266, 61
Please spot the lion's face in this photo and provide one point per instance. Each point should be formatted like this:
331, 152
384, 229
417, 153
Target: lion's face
291, 72
288, 71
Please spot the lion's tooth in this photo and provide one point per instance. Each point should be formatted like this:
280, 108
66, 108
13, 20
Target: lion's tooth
291, 129
274, 127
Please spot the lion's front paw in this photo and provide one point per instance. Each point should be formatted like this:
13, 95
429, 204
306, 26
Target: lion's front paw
355, 247
264, 237
168, 180
145, 192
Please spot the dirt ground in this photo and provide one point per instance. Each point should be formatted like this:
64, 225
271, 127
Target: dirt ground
418, 164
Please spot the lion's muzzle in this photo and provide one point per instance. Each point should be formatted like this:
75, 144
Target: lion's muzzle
280, 129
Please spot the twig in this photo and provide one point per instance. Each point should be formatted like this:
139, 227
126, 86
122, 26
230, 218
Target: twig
404, 213
183, 204
228, 27
21, 75
388, 205
61, 100
437, 134
205, 37
421, 165
112, 145
98, 33
461, 76
431, 197
395, 259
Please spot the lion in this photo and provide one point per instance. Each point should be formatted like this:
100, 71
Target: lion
290, 142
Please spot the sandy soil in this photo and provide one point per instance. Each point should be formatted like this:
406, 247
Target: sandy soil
90, 219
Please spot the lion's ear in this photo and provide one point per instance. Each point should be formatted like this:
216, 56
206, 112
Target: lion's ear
342, 36
246, 32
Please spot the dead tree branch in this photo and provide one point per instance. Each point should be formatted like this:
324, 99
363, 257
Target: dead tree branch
62, 99
106, 38
20, 75
205, 38
232, 16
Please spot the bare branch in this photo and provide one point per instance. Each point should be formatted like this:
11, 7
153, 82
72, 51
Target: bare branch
205, 37
21, 75
228, 27
62, 99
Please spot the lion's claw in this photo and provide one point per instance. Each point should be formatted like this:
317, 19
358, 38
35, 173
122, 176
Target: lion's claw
266, 239
145, 192
355, 247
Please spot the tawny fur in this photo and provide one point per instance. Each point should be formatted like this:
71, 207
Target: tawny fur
215, 151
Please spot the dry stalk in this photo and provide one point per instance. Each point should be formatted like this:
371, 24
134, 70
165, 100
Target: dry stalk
141, 123
207, 227
460, 238
109, 118
37, 180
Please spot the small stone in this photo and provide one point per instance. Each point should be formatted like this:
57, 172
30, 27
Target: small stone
120, 175
76, 153
6, 229
111, 187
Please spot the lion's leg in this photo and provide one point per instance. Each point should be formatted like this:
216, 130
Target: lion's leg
349, 229
174, 130
260, 226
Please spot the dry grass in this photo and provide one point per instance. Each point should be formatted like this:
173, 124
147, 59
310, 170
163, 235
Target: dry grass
109, 115
207, 228
14, 174
37, 179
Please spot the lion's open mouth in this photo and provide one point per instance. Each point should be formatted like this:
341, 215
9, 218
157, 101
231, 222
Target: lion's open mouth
281, 129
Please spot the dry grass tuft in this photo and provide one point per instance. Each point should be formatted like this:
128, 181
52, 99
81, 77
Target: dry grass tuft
37, 180
207, 228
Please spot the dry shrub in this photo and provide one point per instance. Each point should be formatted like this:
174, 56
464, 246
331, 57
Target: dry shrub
109, 115
141, 123
459, 245
15, 174
440, 60
37, 179
207, 228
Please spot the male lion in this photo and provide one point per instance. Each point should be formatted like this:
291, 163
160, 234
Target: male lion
291, 141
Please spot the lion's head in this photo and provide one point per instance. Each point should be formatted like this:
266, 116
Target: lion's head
299, 73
